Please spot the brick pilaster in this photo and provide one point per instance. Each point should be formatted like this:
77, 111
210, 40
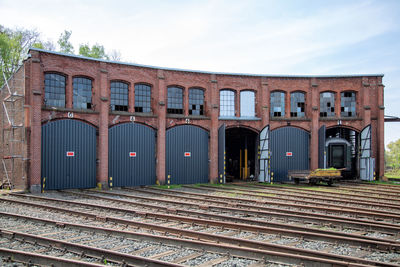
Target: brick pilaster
36, 127
381, 128
103, 125
366, 101
214, 108
161, 114
314, 123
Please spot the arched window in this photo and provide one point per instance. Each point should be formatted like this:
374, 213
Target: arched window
54, 90
297, 104
82, 93
142, 98
119, 96
327, 104
347, 104
277, 104
175, 100
226, 103
247, 104
196, 101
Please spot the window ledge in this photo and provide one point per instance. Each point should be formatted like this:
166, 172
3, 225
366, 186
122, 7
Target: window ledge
290, 119
191, 117
136, 114
87, 111
239, 118
340, 118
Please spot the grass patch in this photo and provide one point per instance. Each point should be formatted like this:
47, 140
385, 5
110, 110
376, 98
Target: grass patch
383, 182
172, 186
393, 176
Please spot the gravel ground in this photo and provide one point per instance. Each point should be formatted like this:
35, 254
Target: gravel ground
108, 242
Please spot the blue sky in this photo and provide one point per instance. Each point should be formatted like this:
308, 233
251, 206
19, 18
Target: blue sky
261, 37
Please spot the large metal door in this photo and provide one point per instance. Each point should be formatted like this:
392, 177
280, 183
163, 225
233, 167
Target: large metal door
321, 147
289, 151
131, 155
221, 154
68, 155
265, 171
187, 155
367, 164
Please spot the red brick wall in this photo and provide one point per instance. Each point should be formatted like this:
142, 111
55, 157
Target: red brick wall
369, 93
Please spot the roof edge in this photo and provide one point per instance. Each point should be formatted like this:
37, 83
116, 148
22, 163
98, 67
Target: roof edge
205, 72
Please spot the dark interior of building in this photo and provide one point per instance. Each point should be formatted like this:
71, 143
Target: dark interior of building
241, 152
337, 153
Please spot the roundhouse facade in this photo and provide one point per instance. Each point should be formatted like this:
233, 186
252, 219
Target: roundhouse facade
88, 122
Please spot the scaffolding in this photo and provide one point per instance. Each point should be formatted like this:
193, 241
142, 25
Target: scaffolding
13, 134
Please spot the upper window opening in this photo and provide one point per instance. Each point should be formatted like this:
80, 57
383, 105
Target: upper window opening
142, 98
175, 100
297, 104
119, 96
82, 93
347, 104
327, 104
54, 90
196, 101
277, 104
227, 103
247, 104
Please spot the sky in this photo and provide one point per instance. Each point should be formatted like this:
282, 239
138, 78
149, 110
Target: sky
297, 37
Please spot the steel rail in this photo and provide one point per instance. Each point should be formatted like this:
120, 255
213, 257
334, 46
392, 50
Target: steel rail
288, 257
30, 258
320, 218
341, 208
378, 244
377, 191
383, 214
351, 239
341, 195
79, 248
245, 223
324, 198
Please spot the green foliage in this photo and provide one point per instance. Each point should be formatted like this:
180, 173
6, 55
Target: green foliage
64, 43
14, 45
392, 155
97, 51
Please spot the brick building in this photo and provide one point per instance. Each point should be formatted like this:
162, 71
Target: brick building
85, 122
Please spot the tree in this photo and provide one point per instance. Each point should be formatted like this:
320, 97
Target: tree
115, 55
14, 45
97, 51
64, 43
393, 154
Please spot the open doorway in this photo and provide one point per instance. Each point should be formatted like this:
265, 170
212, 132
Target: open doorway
341, 149
241, 150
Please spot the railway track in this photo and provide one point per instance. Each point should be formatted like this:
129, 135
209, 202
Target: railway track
101, 243
336, 192
201, 222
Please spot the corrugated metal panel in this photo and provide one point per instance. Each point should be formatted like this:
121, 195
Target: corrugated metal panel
187, 169
321, 147
264, 155
221, 154
131, 157
366, 170
60, 170
289, 151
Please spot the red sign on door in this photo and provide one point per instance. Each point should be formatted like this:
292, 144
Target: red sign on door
188, 154
70, 154
132, 154
289, 154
